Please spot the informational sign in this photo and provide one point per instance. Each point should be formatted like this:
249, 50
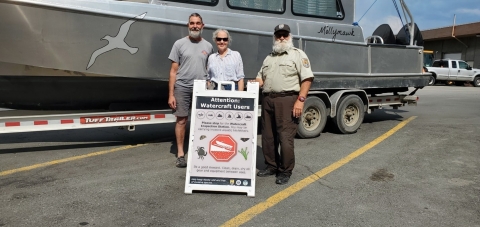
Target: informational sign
223, 140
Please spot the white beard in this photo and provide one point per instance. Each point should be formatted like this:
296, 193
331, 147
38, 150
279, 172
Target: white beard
282, 46
195, 34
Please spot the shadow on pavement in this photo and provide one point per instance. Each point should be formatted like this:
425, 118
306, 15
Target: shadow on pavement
62, 147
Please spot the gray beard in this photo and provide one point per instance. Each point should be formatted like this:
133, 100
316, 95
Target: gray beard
280, 47
195, 34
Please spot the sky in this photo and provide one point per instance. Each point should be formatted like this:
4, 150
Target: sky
428, 14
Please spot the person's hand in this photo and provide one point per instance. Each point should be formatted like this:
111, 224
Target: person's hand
297, 109
209, 85
260, 83
172, 102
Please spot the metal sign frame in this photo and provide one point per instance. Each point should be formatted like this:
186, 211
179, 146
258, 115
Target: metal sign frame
215, 179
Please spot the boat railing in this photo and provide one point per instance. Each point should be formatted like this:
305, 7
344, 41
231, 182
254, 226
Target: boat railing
374, 39
412, 22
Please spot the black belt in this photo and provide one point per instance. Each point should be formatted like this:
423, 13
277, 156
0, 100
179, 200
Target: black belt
280, 94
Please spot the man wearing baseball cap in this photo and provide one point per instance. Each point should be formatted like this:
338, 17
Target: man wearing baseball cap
285, 78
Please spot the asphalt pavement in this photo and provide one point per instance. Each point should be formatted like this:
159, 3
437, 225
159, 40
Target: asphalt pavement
426, 173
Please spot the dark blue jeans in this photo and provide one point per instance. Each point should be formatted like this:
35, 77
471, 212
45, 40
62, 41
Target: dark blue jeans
227, 87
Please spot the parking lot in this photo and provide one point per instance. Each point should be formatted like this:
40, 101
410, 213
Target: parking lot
415, 166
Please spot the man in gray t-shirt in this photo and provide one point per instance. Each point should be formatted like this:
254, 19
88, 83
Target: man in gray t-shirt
192, 58
189, 62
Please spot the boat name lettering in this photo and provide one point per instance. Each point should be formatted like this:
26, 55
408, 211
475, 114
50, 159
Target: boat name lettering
327, 30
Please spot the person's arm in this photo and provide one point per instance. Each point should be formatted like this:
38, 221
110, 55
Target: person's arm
304, 88
259, 77
306, 76
240, 73
259, 80
209, 73
171, 85
240, 85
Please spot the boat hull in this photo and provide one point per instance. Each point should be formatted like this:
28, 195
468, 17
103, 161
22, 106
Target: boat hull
74, 92
49, 55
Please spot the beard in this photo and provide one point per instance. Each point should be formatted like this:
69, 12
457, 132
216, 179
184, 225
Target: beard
195, 33
282, 46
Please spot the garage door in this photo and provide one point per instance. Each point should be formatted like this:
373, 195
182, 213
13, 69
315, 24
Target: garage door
453, 56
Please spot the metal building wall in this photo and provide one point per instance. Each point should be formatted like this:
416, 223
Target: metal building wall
470, 48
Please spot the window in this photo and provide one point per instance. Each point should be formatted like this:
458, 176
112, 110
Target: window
440, 64
463, 65
318, 8
198, 2
454, 64
273, 6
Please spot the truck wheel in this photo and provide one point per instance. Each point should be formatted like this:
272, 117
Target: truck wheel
431, 80
476, 81
313, 119
350, 113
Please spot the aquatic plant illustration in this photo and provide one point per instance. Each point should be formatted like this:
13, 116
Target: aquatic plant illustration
244, 152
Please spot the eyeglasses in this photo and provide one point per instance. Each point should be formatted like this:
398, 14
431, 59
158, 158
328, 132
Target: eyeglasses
282, 34
220, 39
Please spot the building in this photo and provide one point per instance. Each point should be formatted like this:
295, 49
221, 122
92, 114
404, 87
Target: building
461, 42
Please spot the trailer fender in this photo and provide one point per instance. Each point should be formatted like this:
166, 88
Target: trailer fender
323, 96
339, 94
315, 112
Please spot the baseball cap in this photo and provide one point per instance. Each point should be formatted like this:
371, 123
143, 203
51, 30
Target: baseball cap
282, 27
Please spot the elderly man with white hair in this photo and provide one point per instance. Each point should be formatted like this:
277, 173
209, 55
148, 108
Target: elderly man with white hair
285, 77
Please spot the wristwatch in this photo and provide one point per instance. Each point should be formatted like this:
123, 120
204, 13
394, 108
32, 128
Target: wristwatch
301, 98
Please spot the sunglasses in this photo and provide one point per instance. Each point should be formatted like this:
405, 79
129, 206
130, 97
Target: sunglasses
281, 34
220, 39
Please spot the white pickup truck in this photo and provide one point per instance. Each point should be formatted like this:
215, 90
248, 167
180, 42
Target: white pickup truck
456, 71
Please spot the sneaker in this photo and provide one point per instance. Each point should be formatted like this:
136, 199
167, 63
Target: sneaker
180, 163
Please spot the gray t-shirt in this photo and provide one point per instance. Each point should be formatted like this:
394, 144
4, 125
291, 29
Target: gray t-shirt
192, 59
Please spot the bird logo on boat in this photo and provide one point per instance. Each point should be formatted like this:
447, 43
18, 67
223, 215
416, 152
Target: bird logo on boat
117, 42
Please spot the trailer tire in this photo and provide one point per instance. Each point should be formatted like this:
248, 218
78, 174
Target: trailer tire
476, 81
350, 114
313, 119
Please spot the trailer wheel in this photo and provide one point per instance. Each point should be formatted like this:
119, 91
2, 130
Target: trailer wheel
431, 80
476, 81
313, 119
350, 113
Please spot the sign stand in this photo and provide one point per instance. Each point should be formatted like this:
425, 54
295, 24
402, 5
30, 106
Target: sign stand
223, 139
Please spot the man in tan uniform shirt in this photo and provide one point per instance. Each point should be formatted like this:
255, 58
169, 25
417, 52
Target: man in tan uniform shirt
285, 77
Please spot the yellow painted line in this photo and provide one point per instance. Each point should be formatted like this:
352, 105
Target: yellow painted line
280, 196
74, 158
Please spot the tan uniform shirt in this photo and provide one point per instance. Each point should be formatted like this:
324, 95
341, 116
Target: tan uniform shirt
285, 71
